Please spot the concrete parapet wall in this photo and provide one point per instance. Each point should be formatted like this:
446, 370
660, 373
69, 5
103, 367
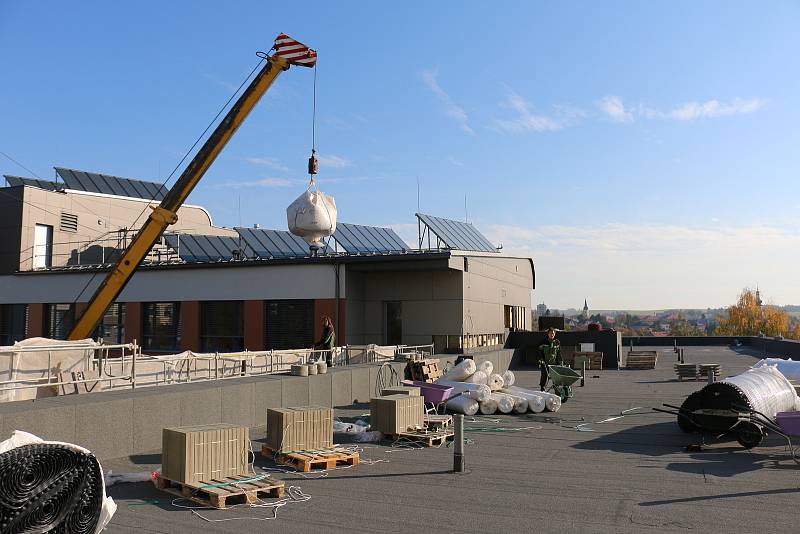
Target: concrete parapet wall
115, 424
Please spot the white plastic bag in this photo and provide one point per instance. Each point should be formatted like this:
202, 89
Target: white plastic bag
312, 216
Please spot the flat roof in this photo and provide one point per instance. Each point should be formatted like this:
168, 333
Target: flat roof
628, 475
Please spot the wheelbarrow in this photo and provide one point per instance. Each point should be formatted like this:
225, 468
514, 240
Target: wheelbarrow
562, 378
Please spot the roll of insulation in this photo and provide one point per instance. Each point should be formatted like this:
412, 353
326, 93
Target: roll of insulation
767, 389
508, 379
462, 371
479, 377
536, 403
520, 403
486, 367
50, 487
487, 407
505, 404
322, 368
311, 369
463, 405
479, 392
495, 382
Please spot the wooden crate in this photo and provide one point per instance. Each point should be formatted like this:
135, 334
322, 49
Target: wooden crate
642, 359
594, 359
202, 452
218, 493
306, 461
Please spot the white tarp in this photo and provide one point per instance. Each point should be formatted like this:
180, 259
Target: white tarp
788, 368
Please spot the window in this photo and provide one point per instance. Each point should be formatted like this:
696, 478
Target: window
112, 328
13, 322
58, 320
290, 324
161, 326
43, 246
221, 326
514, 317
393, 323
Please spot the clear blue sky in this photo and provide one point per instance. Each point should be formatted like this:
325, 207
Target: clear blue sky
644, 153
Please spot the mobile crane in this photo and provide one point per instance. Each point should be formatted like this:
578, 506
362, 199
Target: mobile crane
287, 52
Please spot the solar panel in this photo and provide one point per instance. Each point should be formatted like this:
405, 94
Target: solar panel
111, 185
14, 181
207, 248
274, 243
456, 234
359, 239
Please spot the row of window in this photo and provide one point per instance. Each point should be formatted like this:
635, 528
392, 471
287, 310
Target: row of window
289, 324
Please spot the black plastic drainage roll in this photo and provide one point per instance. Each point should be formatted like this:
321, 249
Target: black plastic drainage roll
49, 488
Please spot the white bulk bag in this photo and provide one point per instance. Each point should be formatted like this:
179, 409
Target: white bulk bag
312, 216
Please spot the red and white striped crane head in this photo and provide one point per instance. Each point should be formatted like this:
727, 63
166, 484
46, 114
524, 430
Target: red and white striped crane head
295, 52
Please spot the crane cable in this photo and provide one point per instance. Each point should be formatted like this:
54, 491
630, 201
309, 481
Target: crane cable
312, 161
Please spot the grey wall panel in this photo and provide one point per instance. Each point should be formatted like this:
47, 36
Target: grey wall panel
360, 384
237, 403
200, 404
51, 421
105, 436
341, 387
320, 390
153, 411
267, 393
295, 391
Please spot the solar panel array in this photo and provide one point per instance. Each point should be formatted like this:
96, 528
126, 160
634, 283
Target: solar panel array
358, 239
207, 248
456, 234
111, 185
274, 243
14, 181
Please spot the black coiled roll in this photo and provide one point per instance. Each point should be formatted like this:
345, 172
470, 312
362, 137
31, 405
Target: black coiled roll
46, 487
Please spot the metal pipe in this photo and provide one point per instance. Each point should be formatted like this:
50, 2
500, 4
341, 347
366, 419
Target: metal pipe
458, 447
583, 374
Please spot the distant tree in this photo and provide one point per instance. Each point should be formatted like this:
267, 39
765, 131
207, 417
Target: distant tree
747, 318
681, 327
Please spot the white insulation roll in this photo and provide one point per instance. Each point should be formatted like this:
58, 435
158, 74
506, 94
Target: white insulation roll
551, 402
767, 389
505, 404
536, 403
478, 377
495, 382
520, 403
462, 371
486, 367
478, 392
508, 379
487, 407
463, 405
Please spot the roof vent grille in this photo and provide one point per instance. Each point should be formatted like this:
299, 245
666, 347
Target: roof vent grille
69, 222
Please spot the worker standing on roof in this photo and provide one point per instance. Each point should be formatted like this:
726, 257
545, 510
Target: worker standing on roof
328, 340
549, 354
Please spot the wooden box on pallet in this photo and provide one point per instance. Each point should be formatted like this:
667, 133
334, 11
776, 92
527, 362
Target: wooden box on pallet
190, 454
393, 414
302, 428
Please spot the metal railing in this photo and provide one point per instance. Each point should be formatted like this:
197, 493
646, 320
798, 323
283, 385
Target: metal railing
106, 367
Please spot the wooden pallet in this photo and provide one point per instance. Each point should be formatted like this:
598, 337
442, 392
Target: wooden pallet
645, 359
306, 461
425, 370
432, 421
218, 493
686, 370
426, 438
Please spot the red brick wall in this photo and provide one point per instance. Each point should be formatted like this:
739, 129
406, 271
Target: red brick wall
323, 307
133, 323
190, 325
35, 320
254, 324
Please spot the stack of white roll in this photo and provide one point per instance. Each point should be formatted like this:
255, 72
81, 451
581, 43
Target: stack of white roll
477, 388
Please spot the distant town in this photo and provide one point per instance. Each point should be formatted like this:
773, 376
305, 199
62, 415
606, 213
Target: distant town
668, 322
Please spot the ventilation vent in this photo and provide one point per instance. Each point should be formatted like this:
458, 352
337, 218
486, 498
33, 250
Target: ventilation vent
69, 222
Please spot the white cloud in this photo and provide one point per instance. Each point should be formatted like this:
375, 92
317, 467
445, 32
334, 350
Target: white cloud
527, 120
273, 163
639, 266
263, 182
706, 110
452, 110
333, 161
454, 161
614, 108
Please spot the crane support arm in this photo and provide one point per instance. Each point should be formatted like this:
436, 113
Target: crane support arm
287, 52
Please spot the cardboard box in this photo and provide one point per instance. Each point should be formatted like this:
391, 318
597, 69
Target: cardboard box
192, 454
401, 390
393, 414
301, 428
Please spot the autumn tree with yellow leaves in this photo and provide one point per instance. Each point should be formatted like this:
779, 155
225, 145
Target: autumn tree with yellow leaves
748, 317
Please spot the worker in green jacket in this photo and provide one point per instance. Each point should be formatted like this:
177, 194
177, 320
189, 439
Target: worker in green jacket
549, 354
328, 340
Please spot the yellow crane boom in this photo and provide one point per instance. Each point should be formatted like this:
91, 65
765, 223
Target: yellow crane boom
287, 52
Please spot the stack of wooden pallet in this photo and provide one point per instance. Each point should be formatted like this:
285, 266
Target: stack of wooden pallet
704, 369
425, 370
686, 370
594, 360
641, 359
